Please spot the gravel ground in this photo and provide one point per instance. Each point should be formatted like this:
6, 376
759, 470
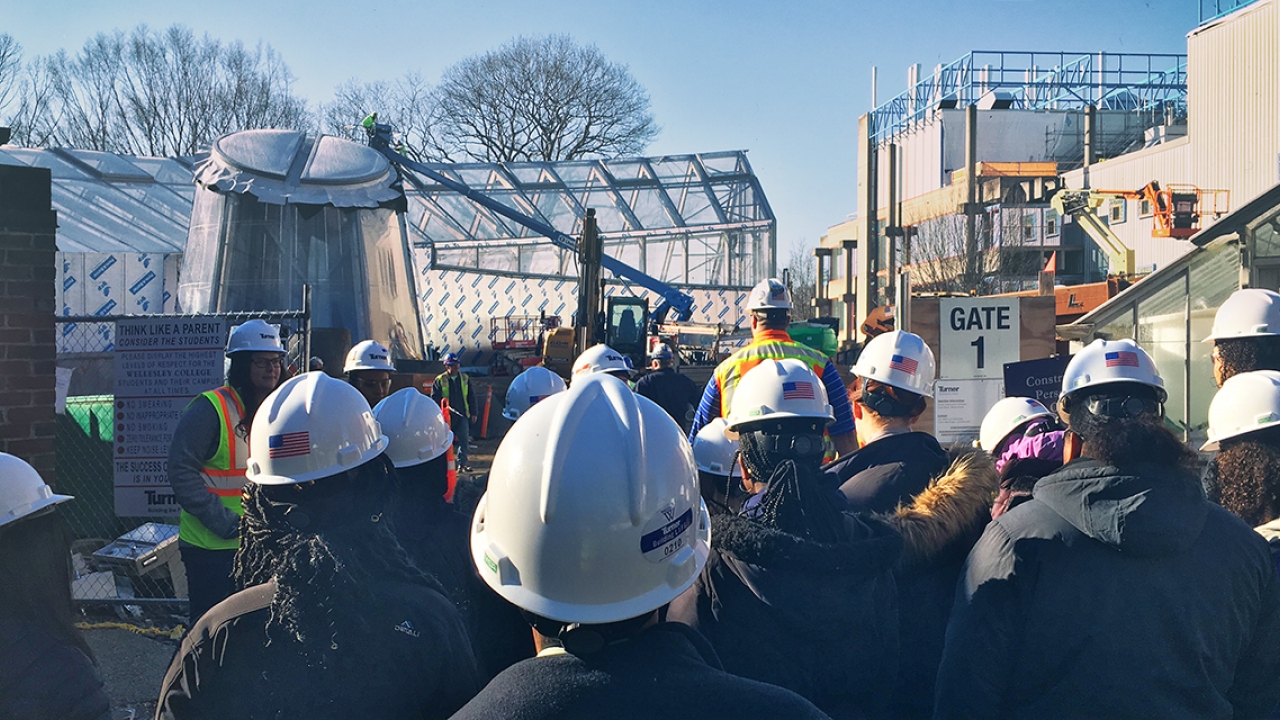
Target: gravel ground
133, 667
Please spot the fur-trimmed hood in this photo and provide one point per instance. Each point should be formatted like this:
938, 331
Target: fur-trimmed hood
952, 506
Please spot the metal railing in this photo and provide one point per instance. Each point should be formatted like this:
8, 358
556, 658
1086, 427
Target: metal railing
122, 560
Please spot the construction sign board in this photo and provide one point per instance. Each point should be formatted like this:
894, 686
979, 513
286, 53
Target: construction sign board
978, 336
160, 365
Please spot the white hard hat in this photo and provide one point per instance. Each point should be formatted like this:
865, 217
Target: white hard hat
1006, 416
714, 452
1111, 361
900, 359
769, 294
536, 383
368, 355
415, 427
22, 491
600, 359
254, 336
1251, 312
311, 427
593, 512
1247, 402
778, 389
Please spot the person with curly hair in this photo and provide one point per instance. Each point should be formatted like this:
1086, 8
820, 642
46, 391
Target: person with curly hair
333, 620
1117, 590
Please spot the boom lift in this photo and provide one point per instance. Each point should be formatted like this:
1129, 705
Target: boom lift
1176, 210
672, 299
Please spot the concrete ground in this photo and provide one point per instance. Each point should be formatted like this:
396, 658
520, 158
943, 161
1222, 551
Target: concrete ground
132, 666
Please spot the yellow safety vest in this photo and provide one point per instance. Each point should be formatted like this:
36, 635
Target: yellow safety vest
223, 473
443, 379
768, 345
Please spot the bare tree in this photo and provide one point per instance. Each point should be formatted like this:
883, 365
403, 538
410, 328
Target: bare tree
1007, 253
542, 98
405, 104
10, 74
155, 93
803, 272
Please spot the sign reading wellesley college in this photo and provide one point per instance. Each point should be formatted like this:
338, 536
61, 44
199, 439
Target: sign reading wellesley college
160, 365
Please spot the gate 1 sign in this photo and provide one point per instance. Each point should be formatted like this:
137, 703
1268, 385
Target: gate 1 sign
978, 336
160, 365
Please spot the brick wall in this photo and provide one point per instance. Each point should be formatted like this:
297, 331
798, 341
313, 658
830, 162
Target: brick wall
27, 352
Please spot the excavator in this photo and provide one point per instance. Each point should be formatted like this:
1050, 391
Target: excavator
1176, 209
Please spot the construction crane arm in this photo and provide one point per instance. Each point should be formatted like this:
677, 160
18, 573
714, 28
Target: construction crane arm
1082, 205
672, 298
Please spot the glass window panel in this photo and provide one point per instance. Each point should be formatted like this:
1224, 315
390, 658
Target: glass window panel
1266, 237
1214, 274
1162, 332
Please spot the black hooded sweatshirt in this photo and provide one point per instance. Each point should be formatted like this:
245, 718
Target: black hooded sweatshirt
819, 619
1118, 593
887, 472
667, 672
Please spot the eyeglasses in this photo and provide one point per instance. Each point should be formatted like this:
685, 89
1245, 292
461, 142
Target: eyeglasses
267, 363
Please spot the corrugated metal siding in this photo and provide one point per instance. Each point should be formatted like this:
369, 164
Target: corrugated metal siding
1233, 78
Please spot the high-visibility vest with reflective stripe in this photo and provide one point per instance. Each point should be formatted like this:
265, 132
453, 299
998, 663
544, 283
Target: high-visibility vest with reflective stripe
223, 473
443, 379
770, 346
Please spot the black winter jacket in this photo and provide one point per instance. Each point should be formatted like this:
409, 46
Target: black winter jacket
1117, 593
887, 472
815, 618
938, 526
666, 672
415, 662
43, 677
675, 393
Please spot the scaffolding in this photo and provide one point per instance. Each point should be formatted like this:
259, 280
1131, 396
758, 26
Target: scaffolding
1147, 83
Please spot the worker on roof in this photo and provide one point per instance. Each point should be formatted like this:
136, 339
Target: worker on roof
604, 477
1118, 590
207, 461
454, 386
369, 369
675, 393
770, 306
332, 620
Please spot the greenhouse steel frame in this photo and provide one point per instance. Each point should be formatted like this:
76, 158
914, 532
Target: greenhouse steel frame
690, 220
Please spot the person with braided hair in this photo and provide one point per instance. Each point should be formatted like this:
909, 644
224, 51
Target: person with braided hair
797, 592
332, 619
1118, 590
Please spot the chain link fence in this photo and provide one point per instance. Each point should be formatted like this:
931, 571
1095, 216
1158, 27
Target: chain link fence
122, 560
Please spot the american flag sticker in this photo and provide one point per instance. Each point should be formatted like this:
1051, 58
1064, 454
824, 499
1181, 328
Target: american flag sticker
289, 444
797, 391
1121, 358
903, 364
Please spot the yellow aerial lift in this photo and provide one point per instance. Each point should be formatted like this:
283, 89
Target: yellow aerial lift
1176, 210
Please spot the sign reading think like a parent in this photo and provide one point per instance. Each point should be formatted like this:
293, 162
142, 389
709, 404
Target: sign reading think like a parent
160, 365
978, 336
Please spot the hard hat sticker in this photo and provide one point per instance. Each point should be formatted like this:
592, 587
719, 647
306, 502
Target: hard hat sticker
664, 534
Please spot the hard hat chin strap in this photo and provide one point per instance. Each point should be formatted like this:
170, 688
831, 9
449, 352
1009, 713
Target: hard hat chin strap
882, 403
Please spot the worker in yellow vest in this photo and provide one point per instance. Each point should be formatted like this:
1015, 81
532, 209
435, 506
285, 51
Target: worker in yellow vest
207, 462
769, 304
455, 386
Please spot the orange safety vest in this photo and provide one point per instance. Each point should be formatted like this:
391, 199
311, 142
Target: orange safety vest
223, 473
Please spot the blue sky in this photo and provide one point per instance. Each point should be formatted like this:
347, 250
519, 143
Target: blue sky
784, 80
